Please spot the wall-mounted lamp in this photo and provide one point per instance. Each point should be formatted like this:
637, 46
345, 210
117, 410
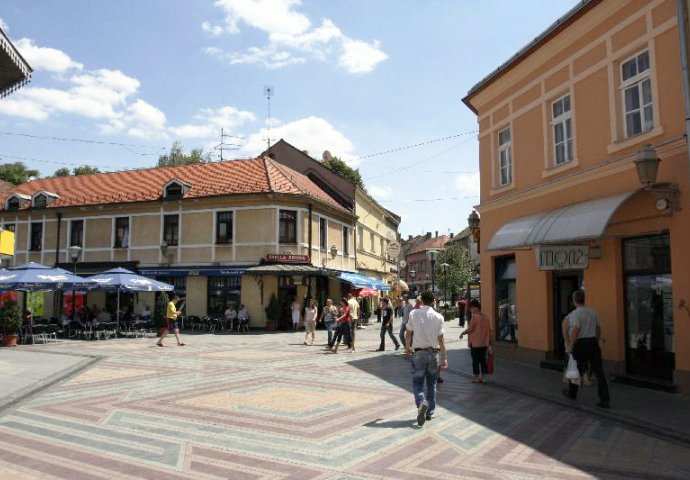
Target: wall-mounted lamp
647, 164
474, 223
334, 251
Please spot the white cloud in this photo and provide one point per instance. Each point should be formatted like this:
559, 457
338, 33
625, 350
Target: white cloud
209, 121
46, 58
313, 134
291, 38
380, 192
3, 25
468, 183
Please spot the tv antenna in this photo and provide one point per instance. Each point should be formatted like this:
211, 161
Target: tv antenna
268, 93
226, 146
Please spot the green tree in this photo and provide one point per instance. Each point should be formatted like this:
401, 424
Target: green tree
160, 310
338, 166
62, 172
176, 156
85, 170
458, 274
17, 173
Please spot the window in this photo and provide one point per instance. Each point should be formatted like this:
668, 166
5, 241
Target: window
36, 238
346, 241
224, 227
323, 234
506, 295
505, 158
383, 248
40, 201
13, 203
171, 229
287, 227
122, 232
76, 233
11, 227
637, 95
360, 238
371, 242
223, 291
174, 190
562, 130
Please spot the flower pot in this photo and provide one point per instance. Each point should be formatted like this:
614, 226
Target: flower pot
10, 340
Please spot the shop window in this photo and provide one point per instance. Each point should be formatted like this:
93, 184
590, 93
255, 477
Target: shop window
323, 234
121, 232
636, 88
506, 299
561, 122
346, 241
223, 291
76, 233
171, 229
36, 237
505, 157
287, 227
11, 227
224, 227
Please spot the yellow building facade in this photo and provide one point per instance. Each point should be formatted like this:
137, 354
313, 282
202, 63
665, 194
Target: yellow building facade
563, 126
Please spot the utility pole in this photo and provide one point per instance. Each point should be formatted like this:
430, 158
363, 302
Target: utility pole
268, 92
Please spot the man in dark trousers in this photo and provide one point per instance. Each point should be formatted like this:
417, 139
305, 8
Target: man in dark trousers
582, 340
387, 325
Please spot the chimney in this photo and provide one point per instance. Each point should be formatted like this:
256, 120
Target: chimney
451, 234
428, 234
409, 238
436, 234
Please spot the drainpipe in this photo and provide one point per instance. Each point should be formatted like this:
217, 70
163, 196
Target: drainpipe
311, 211
682, 14
57, 239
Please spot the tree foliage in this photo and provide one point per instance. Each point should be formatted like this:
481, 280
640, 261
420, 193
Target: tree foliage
62, 172
176, 156
336, 165
459, 273
17, 173
85, 170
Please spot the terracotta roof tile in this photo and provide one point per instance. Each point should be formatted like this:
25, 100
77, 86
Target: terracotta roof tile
429, 243
259, 175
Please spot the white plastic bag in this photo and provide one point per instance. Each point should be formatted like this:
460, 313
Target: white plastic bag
571, 371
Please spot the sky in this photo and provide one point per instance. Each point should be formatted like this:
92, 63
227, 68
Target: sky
377, 83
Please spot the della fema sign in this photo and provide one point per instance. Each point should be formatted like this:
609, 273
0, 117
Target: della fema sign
562, 257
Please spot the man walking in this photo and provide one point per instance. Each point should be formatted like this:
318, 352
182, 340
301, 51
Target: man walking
424, 346
354, 318
387, 326
406, 309
582, 339
171, 321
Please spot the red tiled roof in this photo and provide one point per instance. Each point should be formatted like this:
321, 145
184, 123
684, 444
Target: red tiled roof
429, 243
259, 175
5, 186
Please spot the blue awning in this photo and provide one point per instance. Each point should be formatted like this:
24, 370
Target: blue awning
360, 281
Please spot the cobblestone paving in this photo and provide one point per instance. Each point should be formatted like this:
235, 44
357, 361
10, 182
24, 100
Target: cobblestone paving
267, 407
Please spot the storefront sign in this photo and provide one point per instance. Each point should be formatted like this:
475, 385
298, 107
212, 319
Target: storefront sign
285, 258
193, 272
562, 257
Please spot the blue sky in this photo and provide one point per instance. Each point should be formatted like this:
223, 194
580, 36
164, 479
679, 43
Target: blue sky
356, 77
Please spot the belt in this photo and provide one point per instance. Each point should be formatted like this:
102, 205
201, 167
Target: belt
428, 349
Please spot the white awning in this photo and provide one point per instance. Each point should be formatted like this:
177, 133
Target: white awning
577, 222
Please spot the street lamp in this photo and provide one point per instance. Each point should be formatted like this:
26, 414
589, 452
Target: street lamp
432, 253
445, 266
74, 252
473, 221
647, 164
164, 249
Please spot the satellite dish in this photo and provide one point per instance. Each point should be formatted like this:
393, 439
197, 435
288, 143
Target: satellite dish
327, 157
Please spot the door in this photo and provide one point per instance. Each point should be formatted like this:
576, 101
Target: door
564, 284
649, 307
287, 292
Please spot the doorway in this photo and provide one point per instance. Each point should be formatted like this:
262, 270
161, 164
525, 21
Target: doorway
287, 292
564, 284
649, 307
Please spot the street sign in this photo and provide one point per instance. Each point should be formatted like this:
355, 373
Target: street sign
562, 257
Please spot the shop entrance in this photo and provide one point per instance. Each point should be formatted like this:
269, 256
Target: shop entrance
649, 307
564, 284
287, 291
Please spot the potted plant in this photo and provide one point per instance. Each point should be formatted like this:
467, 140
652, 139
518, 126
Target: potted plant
159, 313
272, 313
10, 321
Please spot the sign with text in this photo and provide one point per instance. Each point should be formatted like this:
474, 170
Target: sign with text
562, 257
285, 258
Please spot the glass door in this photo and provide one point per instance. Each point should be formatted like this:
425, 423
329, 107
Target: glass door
564, 284
649, 307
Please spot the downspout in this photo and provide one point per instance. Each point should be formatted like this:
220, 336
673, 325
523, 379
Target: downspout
57, 239
310, 207
682, 14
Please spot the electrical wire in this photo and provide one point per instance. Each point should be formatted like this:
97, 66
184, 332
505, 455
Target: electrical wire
54, 162
420, 144
126, 146
463, 197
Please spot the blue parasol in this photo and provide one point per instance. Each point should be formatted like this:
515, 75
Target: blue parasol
33, 277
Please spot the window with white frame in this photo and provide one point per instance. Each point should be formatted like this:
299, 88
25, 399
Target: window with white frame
636, 87
561, 121
505, 158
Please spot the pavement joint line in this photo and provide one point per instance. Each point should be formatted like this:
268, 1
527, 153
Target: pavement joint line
13, 400
666, 433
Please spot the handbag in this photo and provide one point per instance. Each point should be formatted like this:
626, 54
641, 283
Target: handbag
571, 371
490, 360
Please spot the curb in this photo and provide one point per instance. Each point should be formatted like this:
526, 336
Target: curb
664, 432
19, 396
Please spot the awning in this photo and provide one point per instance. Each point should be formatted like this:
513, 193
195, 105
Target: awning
289, 269
577, 222
205, 271
360, 281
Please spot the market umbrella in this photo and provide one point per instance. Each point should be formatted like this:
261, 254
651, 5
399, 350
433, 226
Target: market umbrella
124, 280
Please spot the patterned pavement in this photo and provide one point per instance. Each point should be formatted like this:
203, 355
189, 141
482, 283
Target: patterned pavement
267, 407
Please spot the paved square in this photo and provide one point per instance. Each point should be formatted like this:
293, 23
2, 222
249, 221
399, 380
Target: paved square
267, 407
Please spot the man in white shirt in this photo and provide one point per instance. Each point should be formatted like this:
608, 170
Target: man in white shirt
354, 315
424, 346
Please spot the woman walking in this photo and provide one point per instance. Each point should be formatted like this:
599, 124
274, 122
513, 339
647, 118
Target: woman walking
479, 340
311, 313
343, 329
328, 316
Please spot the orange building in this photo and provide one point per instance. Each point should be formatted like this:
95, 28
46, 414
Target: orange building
571, 130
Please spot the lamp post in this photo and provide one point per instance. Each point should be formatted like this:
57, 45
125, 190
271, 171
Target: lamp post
432, 253
445, 266
412, 273
74, 252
